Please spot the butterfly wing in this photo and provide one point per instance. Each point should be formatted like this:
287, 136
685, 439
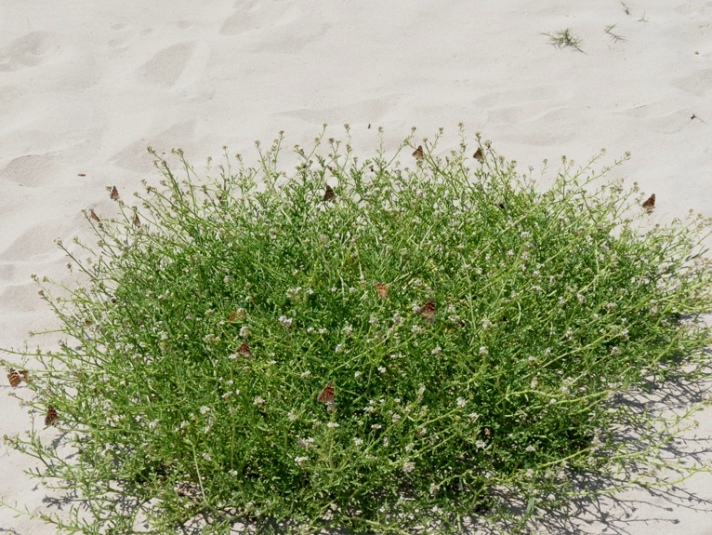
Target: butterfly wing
329, 194
14, 378
650, 203
428, 310
327, 395
51, 417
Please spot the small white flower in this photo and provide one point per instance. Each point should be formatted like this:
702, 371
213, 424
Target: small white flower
306, 443
530, 473
323, 330
347, 330
306, 373
395, 418
615, 351
358, 441
244, 332
376, 426
373, 320
434, 488
484, 351
381, 369
285, 321
386, 442
332, 425
292, 416
339, 348
423, 431
530, 449
552, 401
581, 298
357, 374
301, 460
473, 416
259, 401
416, 329
408, 467
204, 409
486, 324
480, 444
461, 402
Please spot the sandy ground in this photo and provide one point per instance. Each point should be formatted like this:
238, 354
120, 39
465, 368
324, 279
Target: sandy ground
86, 86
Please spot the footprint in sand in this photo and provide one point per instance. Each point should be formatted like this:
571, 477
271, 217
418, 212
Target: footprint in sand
167, 65
27, 51
31, 170
699, 83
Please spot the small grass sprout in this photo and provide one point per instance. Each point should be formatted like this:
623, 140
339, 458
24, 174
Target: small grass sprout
616, 38
427, 346
565, 38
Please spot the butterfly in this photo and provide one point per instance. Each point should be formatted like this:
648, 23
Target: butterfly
52, 416
81, 174
382, 290
93, 215
418, 153
136, 221
329, 194
479, 156
327, 395
114, 194
244, 350
650, 203
16, 377
428, 310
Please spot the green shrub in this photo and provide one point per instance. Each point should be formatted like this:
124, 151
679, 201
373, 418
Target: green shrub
474, 327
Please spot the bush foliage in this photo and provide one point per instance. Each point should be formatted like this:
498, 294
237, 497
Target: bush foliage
473, 324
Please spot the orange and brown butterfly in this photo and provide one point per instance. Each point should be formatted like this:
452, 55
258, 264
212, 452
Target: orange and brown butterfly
81, 174
327, 395
136, 221
52, 416
16, 377
428, 310
93, 215
649, 204
244, 350
382, 290
114, 194
479, 155
329, 195
418, 153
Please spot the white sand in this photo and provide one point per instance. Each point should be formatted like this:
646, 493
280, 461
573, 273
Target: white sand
85, 86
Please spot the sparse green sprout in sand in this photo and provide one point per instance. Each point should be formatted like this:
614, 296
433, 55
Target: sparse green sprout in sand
565, 38
614, 37
390, 342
